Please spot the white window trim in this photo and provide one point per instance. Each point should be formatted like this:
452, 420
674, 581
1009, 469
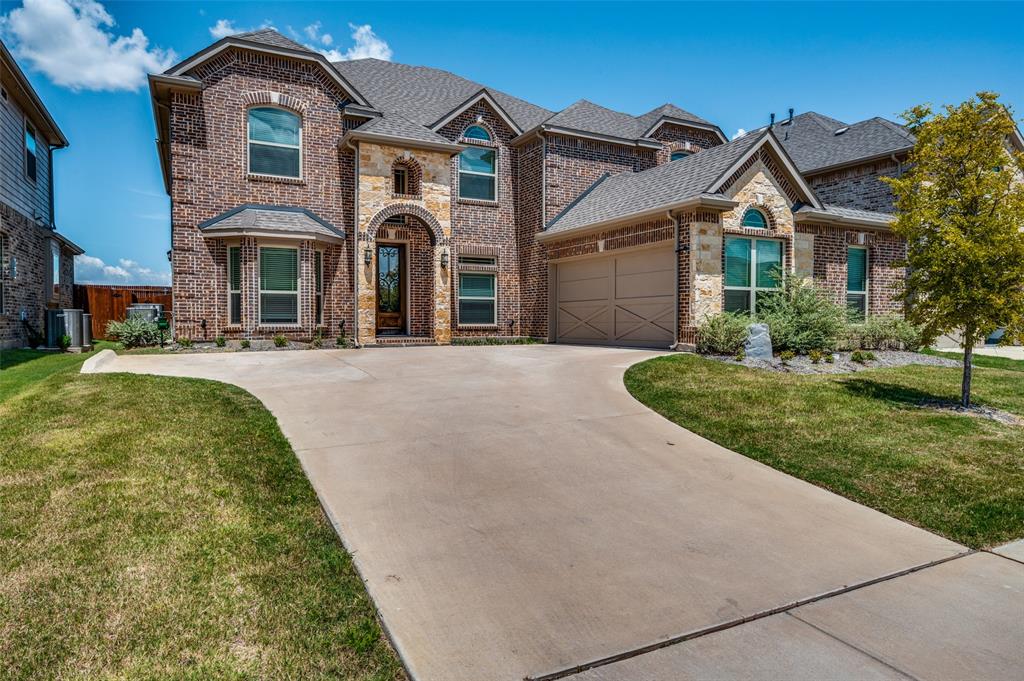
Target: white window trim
318, 291
249, 142
493, 176
753, 289
231, 290
759, 211
867, 277
54, 268
490, 273
298, 288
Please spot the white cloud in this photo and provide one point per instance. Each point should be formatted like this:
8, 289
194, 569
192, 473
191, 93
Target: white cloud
226, 27
367, 44
72, 43
739, 133
92, 270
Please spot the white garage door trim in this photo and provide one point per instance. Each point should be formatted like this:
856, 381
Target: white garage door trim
624, 298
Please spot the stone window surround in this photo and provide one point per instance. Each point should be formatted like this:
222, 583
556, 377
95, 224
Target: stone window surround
413, 178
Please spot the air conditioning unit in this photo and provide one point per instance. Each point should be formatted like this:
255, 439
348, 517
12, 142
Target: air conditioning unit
73, 326
149, 312
54, 328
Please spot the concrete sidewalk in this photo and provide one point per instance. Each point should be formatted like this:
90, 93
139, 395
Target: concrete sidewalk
515, 513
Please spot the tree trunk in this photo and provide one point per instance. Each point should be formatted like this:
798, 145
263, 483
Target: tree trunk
965, 386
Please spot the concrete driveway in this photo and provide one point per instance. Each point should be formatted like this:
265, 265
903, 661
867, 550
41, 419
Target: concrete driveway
515, 513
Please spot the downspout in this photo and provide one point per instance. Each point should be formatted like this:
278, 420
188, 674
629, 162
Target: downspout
899, 165
355, 249
675, 223
49, 171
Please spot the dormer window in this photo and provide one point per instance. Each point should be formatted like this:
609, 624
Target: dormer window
476, 132
275, 142
754, 219
676, 155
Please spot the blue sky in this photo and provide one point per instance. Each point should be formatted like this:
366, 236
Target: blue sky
730, 63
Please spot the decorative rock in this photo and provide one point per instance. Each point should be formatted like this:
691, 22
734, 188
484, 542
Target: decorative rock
759, 342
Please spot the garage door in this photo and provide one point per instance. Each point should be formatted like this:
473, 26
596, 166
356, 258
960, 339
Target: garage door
617, 299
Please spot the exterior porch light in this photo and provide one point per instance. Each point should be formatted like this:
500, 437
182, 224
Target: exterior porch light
444, 259
367, 256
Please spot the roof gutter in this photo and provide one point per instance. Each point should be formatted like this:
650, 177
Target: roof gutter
571, 132
268, 234
803, 215
446, 147
701, 201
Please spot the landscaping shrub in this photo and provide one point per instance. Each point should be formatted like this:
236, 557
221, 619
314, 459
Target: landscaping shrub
220, 341
722, 334
280, 341
800, 317
184, 341
246, 343
134, 332
787, 356
65, 342
883, 332
862, 356
816, 356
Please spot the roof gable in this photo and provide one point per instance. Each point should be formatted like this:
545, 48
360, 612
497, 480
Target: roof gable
481, 96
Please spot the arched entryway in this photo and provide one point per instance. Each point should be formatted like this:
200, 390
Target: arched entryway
404, 292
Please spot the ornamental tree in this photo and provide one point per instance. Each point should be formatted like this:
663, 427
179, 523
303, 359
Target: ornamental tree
960, 206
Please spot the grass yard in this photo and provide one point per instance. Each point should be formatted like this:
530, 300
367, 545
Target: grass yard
986, 361
158, 527
862, 436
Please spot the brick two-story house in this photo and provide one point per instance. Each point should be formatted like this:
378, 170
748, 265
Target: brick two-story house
406, 203
36, 262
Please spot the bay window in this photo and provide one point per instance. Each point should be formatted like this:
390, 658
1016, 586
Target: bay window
318, 272
279, 285
234, 285
752, 268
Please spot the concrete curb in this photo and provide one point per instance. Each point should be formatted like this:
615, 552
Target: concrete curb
95, 364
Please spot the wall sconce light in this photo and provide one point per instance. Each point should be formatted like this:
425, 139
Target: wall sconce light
367, 256
444, 259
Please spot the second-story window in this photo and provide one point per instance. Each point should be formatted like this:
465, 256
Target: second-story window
275, 142
477, 175
676, 155
30, 152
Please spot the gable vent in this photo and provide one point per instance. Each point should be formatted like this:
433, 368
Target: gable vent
840, 131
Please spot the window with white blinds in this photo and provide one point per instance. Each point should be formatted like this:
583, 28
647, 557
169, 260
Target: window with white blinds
279, 285
275, 142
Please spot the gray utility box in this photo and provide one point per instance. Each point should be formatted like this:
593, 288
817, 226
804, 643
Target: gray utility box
86, 329
54, 327
70, 322
149, 312
73, 326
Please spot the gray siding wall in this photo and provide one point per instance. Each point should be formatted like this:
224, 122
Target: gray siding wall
29, 198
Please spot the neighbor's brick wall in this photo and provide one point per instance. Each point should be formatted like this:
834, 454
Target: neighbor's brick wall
208, 153
29, 245
885, 250
858, 186
488, 228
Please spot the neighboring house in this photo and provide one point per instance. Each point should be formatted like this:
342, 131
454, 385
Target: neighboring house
36, 263
406, 203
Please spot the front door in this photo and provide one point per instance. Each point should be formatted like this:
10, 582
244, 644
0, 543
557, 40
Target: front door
390, 288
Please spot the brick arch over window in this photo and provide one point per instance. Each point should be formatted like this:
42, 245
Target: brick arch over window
764, 210
480, 122
414, 175
395, 209
276, 99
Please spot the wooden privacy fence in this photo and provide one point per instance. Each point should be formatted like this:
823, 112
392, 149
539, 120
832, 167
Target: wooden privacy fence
105, 303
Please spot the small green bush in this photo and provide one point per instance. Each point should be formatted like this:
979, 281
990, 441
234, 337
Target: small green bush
65, 342
134, 332
816, 356
800, 317
246, 343
220, 341
741, 355
830, 358
280, 341
317, 342
862, 356
722, 334
883, 332
787, 356
184, 341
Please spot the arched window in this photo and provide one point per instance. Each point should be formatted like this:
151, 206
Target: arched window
754, 219
275, 142
676, 155
476, 132
477, 174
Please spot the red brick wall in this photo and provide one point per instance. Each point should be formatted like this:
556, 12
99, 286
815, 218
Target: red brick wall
857, 187
209, 176
485, 227
420, 258
29, 245
533, 266
885, 250
679, 137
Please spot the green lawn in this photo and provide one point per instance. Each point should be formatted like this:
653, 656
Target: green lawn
862, 436
162, 528
986, 361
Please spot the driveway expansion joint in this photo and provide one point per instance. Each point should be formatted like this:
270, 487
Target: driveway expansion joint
698, 633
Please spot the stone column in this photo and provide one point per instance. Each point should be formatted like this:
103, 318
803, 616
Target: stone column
706, 279
803, 256
366, 306
442, 297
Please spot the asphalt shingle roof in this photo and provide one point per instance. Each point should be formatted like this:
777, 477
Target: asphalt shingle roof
589, 117
283, 219
847, 212
626, 194
396, 125
667, 111
269, 36
811, 140
425, 95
